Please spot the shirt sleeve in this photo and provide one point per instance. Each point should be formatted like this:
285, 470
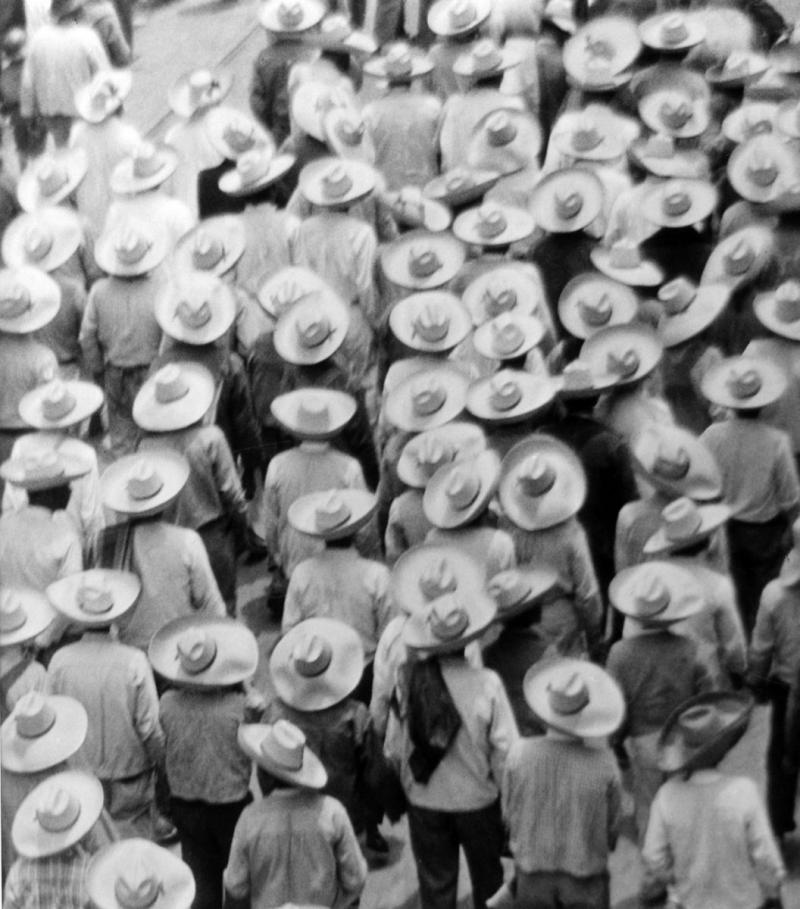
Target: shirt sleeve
764, 853
236, 876
787, 486
586, 596
394, 539
293, 604
383, 677
656, 852
88, 337
145, 708
13, 896
730, 635
225, 475
762, 644
203, 590
350, 863
503, 731
614, 800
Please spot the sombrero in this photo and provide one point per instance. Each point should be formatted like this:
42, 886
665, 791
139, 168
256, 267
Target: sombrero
104, 95
60, 404
51, 178
335, 182
447, 18
503, 289
281, 750
422, 260
428, 571
485, 60
147, 167
685, 523
45, 238
347, 136
289, 285
676, 462
46, 469
399, 63
232, 132
198, 90
255, 170
96, 597
309, 332
579, 380
779, 310
510, 396
423, 455
29, 300
679, 202
492, 224
214, 246
431, 321
24, 614
449, 622
600, 50
787, 118
412, 209
508, 336
131, 248
315, 414
658, 155
589, 136
674, 32
566, 201
289, 16
656, 593
333, 513
457, 493
174, 398
516, 590
201, 309
688, 309
461, 185
505, 141
675, 113
762, 168
41, 732
591, 302
144, 484
629, 352
427, 399
744, 383
738, 69
752, 118
623, 262
312, 99
739, 257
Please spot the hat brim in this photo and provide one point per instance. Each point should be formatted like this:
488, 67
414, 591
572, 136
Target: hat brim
566, 182
107, 260
684, 163
236, 658
124, 587
302, 282
646, 274
217, 120
286, 338
760, 239
151, 415
413, 564
465, 439
734, 126
619, 33
464, 65
539, 583
686, 596
39, 615
436, 505
124, 181
642, 340
479, 184
434, 216
229, 230
538, 393
29, 193
786, 161
13, 471
440, 23
715, 385
223, 315
532, 332
398, 406
401, 321
420, 66
696, 125
311, 774
362, 177
712, 518
601, 383
650, 32
709, 302
765, 307
362, 505
528, 294
787, 118
395, 259
173, 470
703, 198
482, 611
623, 300
702, 482
231, 181
363, 150
341, 409
61, 224
519, 226
179, 95
45, 300
19, 754
716, 75
121, 79
313, 13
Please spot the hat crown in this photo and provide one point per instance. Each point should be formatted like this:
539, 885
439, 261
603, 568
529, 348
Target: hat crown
94, 598
313, 413
675, 110
447, 618
499, 299
239, 134
761, 168
350, 128
577, 377
586, 136
744, 383
676, 200
290, 14
283, 744
431, 322
423, 263
700, 724
170, 384
202, 84
410, 204
568, 696
597, 70
756, 124
462, 13
738, 62
38, 242
537, 476
398, 61
486, 57
507, 336
336, 182
194, 312
42, 465
428, 396
57, 400
33, 715
51, 177
740, 257
136, 886
508, 589
311, 655
676, 295
144, 481
568, 206
332, 512
787, 301
13, 614
659, 146
147, 160
625, 254
437, 579
131, 246
313, 328
681, 519
596, 311
462, 487
196, 650
623, 364
207, 251
57, 809
671, 463
491, 222
458, 179
252, 165
431, 454
15, 301
674, 29
504, 392
651, 595
500, 129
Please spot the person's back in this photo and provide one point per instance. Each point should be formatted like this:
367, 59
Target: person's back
38, 546
460, 116
24, 364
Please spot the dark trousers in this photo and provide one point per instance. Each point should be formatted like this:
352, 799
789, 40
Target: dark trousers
206, 832
558, 890
435, 840
757, 552
781, 784
218, 538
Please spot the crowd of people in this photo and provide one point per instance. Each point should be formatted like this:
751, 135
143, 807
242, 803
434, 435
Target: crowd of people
477, 341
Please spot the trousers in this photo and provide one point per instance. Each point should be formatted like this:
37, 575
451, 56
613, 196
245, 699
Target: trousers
559, 890
217, 537
122, 384
781, 783
757, 552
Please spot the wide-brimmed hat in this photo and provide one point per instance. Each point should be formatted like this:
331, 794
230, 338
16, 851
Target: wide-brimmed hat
309, 332
29, 299
675, 31
200, 310
740, 68
95, 597
41, 732
450, 622
457, 493
510, 396
492, 224
656, 593
485, 60
688, 309
427, 452
347, 136
566, 201
629, 352
684, 523
314, 414
676, 462
399, 63
175, 397
574, 697
317, 664
336, 182
213, 247
332, 513
787, 118
600, 50
461, 185
516, 590
144, 484
763, 168
659, 156
623, 261
751, 118
135, 873
283, 17
198, 90
591, 302
233, 132
24, 614
103, 95
508, 336
590, 135
147, 167
312, 99
779, 310
427, 399
703, 730
739, 257
411, 208
44, 238
57, 814
51, 178
789, 574
744, 383
505, 141
784, 57
676, 113
679, 202
291, 285
579, 380
431, 321
504, 289
447, 18
255, 170
131, 248
429, 571
281, 750
45, 469
197, 651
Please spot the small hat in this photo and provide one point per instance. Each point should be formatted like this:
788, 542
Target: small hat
103, 95
147, 167
317, 664
399, 63
45, 238
43, 470
703, 730
739, 257
740, 68
313, 99
623, 262
676, 462
450, 622
461, 185
674, 112
658, 155
457, 493
175, 397
592, 135
542, 483
679, 203
314, 414
787, 118
505, 141
95, 597
591, 302
574, 697
213, 247
412, 209
198, 90
779, 310
29, 300
491, 224
751, 118
131, 248
684, 523
293, 284
347, 136
455, 17
429, 571
596, 55
508, 336
485, 60
656, 593
427, 399
204, 651
762, 168
51, 178
423, 455
566, 201
516, 590
24, 614
431, 321
281, 750
688, 309
255, 170
200, 310
629, 352
336, 34
144, 484
510, 396
503, 289
57, 814
675, 31
579, 380
333, 513
135, 873
336, 182
232, 132
422, 260
309, 332
283, 17
41, 732
744, 383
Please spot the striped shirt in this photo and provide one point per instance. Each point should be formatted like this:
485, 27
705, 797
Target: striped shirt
58, 880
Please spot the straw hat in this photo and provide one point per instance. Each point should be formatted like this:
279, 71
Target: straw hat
333, 513
43, 470
779, 310
457, 493
45, 238
204, 651
399, 63
289, 285
147, 167
676, 462
491, 225
198, 90
574, 697
281, 750
744, 383
314, 414
740, 68
429, 571
790, 570
144, 484
739, 257
309, 332
175, 397
428, 399
629, 352
57, 814
411, 208
41, 732
566, 201
29, 300
95, 597
200, 311
679, 203
516, 590
784, 57
510, 396
658, 156
623, 262
675, 31
461, 185
600, 50
103, 95
688, 309
213, 247
684, 523
317, 664
336, 182
675, 113
762, 168
508, 336
449, 622
24, 614
751, 118
51, 178
447, 18
255, 170
703, 730
503, 289
135, 873
579, 380
232, 132
313, 98
591, 135
485, 60
131, 248
591, 302
423, 455
656, 593
347, 136
282, 17
787, 118
431, 321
